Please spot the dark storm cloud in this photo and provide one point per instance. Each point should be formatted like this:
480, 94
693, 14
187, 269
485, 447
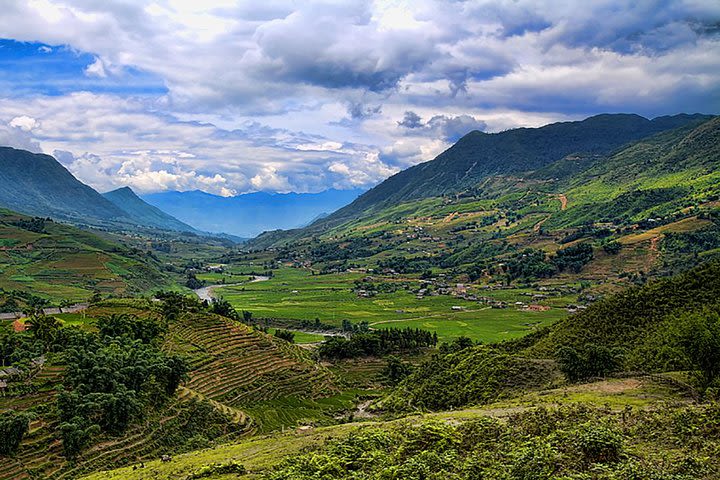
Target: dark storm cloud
449, 128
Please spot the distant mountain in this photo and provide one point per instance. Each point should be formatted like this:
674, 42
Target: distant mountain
37, 184
144, 213
250, 214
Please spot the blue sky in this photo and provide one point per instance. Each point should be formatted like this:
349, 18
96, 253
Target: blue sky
233, 96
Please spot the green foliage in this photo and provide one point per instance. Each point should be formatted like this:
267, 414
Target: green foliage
698, 335
590, 361
599, 443
565, 443
634, 319
396, 370
529, 264
217, 469
286, 335
474, 375
222, 307
13, 427
112, 379
378, 342
124, 325
573, 258
44, 328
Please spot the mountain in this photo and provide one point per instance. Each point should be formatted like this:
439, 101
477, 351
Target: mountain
37, 184
144, 213
249, 214
483, 165
479, 155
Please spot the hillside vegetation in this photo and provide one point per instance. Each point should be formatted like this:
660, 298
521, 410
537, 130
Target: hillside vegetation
56, 262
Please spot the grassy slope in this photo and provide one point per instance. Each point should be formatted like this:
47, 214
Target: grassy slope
241, 381
262, 453
66, 263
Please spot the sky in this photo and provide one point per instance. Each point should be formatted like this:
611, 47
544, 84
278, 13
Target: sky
231, 97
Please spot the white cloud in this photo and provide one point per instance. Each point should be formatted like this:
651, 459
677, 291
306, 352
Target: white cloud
283, 95
24, 123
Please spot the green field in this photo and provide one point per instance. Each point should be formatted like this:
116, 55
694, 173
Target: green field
297, 294
303, 337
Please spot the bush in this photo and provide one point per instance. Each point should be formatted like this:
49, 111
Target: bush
589, 361
13, 427
286, 335
599, 443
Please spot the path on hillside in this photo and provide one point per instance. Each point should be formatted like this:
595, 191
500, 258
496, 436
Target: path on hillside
563, 207
207, 293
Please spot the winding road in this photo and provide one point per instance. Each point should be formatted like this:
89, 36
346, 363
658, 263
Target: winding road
206, 293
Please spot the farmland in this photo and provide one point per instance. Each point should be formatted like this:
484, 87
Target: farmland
297, 294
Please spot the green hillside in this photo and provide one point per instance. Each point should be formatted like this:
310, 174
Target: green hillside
62, 263
130, 380
514, 153
145, 214
37, 184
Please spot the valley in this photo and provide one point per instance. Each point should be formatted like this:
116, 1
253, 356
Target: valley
549, 310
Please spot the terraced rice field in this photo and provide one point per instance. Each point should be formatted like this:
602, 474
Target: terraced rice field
239, 367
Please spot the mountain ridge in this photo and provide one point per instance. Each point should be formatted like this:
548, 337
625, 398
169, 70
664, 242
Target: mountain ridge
128, 201
248, 214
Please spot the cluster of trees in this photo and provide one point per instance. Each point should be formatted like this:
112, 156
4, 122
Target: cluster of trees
531, 263
402, 264
377, 342
35, 224
13, 427
466, 375
113, 378
588, 361
573, 258
287, 335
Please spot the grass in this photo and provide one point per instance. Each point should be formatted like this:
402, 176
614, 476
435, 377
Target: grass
488, 325
303, 337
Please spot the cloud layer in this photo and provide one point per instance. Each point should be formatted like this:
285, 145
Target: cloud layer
230, 96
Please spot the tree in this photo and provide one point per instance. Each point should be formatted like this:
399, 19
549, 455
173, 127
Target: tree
588, 362
13, 427
698, 335
396, 370
44, 328
286, 335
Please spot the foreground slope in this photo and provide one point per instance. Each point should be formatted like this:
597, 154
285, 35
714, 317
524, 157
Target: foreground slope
233, 370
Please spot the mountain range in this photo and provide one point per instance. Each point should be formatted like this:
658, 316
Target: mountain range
250, 214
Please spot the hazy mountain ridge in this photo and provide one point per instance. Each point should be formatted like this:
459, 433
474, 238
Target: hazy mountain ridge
249, 214
37, 184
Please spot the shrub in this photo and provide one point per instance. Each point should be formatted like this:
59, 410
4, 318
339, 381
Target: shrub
13, 427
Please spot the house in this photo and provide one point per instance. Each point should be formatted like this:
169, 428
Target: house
457, 308
18, 326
